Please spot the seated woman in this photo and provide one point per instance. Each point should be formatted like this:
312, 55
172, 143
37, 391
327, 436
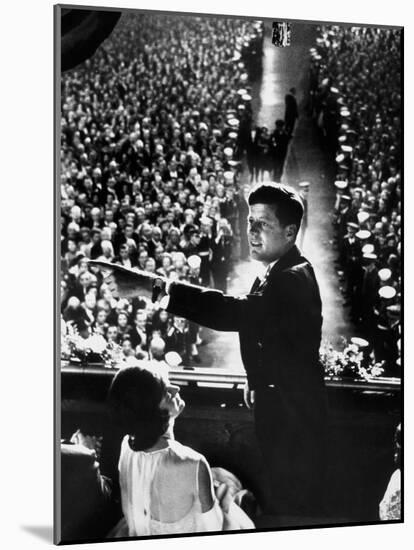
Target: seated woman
166, 487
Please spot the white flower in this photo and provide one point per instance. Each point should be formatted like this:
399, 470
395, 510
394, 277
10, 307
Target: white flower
377, 370
96, 343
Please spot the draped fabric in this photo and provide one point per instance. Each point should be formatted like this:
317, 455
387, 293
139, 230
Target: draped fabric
160, 494
82, 32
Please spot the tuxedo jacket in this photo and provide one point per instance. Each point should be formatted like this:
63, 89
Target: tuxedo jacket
291, 107
279, 324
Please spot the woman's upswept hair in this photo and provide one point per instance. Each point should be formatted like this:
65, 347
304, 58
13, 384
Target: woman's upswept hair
134, 399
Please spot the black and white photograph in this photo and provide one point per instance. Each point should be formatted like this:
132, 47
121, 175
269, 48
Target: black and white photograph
229, 274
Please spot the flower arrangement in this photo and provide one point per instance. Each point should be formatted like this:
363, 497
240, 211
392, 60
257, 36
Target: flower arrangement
350, 362
94, 347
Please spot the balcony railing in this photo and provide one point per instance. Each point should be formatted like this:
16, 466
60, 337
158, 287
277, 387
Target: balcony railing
221, 378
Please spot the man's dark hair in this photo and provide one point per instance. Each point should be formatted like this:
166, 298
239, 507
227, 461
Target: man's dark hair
287, 204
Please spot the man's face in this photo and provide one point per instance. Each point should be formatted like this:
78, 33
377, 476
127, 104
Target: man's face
126, 347
140, 321
101, 316
122, 320
268, 240
112, 333
84, 279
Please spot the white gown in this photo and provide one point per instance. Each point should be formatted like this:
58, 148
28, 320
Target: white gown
159, 493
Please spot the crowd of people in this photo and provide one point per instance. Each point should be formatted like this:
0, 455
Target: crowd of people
151, 141
355, 97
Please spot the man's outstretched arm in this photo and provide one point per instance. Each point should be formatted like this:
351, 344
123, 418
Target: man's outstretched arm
210, 308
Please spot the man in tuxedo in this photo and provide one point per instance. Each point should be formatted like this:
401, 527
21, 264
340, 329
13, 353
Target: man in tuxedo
279, 140
279, 324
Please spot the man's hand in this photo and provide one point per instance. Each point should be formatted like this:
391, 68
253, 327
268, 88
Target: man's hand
248, 396
225, 495
89, 441
129, 283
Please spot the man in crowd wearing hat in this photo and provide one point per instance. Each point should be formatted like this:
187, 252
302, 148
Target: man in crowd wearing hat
387, 313
279, 324
342, 214
279, 141
369, 293
351, 257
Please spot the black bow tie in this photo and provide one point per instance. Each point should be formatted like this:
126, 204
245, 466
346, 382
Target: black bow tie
256, 285
260, 281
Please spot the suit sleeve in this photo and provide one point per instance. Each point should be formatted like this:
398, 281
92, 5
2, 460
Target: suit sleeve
210, 308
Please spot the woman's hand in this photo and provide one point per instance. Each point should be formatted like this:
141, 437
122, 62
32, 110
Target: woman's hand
130, 283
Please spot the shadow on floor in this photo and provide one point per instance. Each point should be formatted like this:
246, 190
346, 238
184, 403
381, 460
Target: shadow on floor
43, 532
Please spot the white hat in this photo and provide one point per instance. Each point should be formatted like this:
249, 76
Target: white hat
362, 216
233, 122
384, 274
341, 184
394, 310
246, 97
387, 292
228, 151
233, 135
369, 256
304, 184
368, 248
363, 234
228, 175
242, 91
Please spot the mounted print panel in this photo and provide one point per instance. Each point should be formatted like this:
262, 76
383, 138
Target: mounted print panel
228, 229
